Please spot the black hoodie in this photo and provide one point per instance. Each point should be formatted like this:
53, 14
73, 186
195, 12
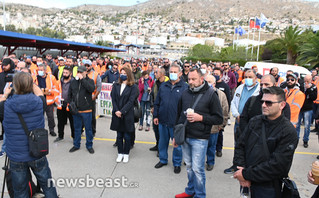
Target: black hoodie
6, 76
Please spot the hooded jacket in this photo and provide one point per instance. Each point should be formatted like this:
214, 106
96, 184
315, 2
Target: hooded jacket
31, 108
5, 75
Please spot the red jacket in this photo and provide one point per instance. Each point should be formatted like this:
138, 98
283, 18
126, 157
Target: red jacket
141, 86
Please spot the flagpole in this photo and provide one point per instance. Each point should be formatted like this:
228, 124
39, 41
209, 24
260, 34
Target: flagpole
252, 45
234, 37
237, 38
258, 44
247, 38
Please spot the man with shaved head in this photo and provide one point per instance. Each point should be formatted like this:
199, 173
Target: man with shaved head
310, 91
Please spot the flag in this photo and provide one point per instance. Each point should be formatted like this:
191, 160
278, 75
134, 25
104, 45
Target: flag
240, 31
262, 21
252, 24
257, 24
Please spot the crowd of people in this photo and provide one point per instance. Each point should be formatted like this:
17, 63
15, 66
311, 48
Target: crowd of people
267, 109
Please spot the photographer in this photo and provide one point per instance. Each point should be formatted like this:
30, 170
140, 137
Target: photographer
5, 78
28, 101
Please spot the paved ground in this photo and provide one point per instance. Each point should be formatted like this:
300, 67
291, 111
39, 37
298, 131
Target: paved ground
143, 178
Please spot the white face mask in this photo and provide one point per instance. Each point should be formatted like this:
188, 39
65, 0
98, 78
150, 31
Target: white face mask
203, 71
41, 73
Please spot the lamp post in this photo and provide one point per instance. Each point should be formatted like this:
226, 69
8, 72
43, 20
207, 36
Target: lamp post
4, 15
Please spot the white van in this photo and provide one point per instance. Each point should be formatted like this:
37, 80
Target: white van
264, 68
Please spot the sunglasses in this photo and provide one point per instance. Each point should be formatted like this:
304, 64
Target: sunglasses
291, 79
269, 103
187, 66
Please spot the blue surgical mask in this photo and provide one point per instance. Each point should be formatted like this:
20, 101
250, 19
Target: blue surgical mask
173, 76
41, 73
110, 66
217, 77
249, 82
123, 77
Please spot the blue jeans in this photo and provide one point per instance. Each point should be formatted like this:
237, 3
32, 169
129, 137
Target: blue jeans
146, 108
20, 177
194, 151
86, 118
211, 148
235, 126
306, 115
3, 148
257, 191
166, 133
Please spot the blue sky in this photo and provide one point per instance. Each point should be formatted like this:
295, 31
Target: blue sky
72, 3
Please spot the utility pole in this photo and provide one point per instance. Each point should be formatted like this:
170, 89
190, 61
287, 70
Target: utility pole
138, 11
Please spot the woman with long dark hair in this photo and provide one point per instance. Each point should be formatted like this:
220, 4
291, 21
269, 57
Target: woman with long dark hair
124, 93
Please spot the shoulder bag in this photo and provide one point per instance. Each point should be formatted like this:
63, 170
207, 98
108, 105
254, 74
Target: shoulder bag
179, 130
38, 140
289, 187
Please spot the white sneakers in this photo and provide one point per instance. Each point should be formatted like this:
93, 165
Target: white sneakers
125, 159
121, 157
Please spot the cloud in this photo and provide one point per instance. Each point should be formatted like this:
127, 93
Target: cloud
41, 3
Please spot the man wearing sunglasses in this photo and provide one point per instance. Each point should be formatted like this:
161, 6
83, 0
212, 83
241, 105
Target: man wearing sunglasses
186, 71
265, 149
294, 97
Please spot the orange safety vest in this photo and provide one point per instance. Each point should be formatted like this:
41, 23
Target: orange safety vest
100, 69
240, 75
317, 85
34, 70
59, 96
280, 80
51, 86
295, 98
93, 75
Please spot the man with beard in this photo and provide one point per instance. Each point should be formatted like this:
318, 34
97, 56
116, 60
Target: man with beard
186, 71
274, 71
294, 97
206, 113
229, 78
166, 67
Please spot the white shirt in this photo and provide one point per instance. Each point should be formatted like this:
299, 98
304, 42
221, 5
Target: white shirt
122, 88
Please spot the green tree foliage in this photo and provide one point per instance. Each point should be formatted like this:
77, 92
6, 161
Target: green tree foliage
309, 51
103, 43
201, 51
291, 39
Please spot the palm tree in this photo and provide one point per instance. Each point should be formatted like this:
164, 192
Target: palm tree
309, 51
290, 39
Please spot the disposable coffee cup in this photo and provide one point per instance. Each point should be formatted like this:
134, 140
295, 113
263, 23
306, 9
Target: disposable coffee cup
315, 172
189, 110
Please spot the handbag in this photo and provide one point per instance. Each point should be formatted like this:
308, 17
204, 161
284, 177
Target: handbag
289, 187
38, 140
179, 129
137, 111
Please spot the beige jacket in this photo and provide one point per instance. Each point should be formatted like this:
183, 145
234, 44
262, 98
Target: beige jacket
223, 102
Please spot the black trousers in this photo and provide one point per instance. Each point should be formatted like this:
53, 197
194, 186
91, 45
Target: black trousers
123, 142
63, 115
49, 111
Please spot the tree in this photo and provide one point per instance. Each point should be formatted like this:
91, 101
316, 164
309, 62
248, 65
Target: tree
290, 39
309, 51
201, 51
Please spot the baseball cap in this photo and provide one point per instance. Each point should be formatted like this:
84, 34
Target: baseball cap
86, 62
61, 59
292, 75
81, 69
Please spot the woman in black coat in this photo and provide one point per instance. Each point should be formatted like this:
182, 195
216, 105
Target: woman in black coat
123, 94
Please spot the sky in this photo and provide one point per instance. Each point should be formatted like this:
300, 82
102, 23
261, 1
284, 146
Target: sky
72, 3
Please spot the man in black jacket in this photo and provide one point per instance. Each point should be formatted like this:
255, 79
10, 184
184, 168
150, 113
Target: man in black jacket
80, 92
265, 149
310, 91
207, 112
